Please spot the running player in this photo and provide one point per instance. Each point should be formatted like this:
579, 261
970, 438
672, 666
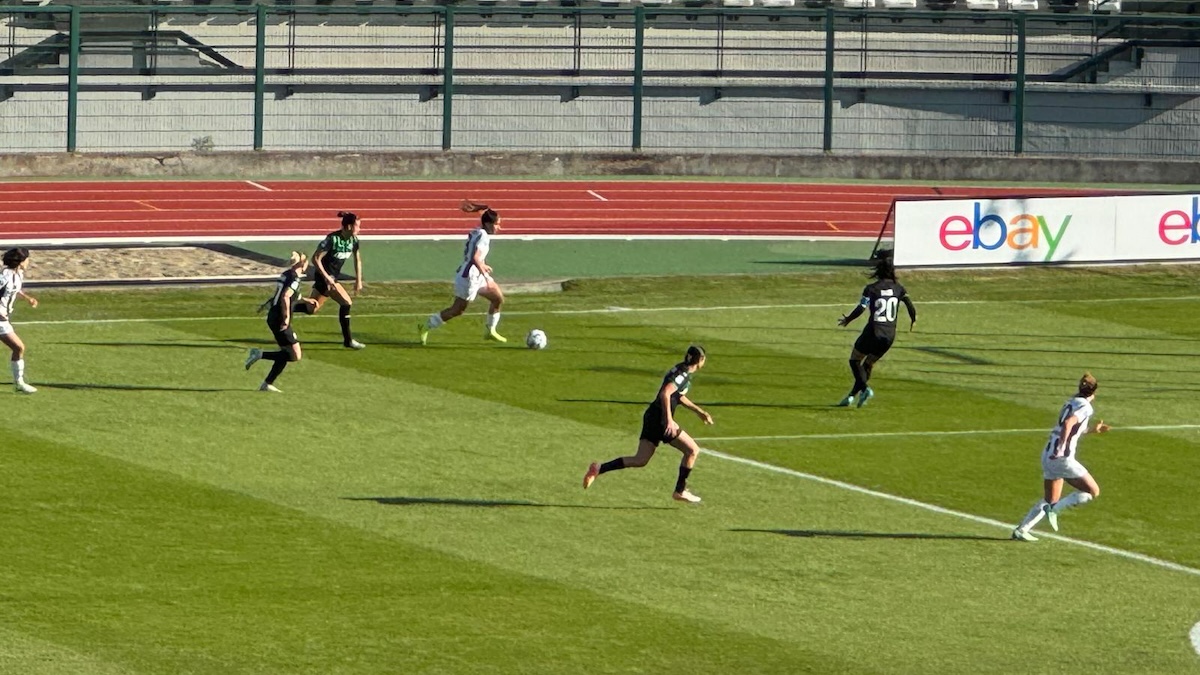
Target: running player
473, 277
331, 255
659, 426
12, 278
1059, 462
279, 320
881, 301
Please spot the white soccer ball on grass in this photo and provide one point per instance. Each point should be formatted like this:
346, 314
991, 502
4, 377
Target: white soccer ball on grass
536, 339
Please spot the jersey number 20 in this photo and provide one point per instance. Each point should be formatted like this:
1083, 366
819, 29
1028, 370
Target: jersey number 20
885, 310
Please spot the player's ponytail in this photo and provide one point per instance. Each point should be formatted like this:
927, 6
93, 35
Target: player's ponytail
297, 257
885, 267
348, 218
694, 354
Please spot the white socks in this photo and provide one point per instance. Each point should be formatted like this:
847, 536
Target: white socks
18, 370
1073, 499
434, 321
492, 321
1034, 516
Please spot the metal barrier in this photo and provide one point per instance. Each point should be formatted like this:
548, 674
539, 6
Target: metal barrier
608, 77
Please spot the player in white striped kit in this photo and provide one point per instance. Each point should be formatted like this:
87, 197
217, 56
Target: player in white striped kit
12, 278
1060, 462
473, 277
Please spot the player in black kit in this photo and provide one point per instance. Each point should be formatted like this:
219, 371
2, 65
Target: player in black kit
659, 426
880, 300
279, 320
331, 255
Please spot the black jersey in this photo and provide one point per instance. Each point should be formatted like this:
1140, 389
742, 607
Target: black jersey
288, 280
881, 300
338, 250
682, 380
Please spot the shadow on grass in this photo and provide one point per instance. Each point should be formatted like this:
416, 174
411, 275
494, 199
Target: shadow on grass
491, 503
126, 387
854, 534
710, 404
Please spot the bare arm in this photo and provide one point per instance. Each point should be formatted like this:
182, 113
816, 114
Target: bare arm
358, 273
317, 258
664, 400
701, 412
477, 260
32, 300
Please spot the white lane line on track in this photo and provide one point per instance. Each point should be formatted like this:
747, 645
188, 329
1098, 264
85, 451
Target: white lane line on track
455, 234
260, 186
964, 432
609, 310
597, 196
1101, 548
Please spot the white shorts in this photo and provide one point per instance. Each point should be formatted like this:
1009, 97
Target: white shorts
5, 327
1063, 467
469, 286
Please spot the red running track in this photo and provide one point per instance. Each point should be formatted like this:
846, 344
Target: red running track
287, 209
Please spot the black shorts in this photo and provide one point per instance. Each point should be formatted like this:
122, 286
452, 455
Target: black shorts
653, 428
320, 286
873, 344
285, 337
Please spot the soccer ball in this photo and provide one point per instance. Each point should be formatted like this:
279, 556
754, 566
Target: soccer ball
536, 339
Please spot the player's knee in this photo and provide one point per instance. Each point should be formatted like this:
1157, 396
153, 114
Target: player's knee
636, 461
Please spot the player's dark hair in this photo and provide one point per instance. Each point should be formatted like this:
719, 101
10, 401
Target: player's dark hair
489, 217
693, 355
884, 267
348, 218
1088, 385
13, 257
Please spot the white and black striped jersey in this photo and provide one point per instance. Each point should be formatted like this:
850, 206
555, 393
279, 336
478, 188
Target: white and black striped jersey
10, 285
479, 240
1081, 409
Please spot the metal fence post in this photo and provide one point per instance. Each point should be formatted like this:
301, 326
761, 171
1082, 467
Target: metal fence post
1019, 92
639, 66
260, 72
73, 81
448, 79
827, 123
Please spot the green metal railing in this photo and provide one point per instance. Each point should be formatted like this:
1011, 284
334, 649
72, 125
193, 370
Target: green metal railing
987, 82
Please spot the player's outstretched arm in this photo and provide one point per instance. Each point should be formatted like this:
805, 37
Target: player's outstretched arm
847, 319
700, 412
1101, 427
912, 311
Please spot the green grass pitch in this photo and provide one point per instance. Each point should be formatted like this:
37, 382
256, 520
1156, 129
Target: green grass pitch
419, 510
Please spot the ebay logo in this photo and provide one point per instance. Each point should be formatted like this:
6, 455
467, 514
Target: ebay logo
1177, 227
990, 231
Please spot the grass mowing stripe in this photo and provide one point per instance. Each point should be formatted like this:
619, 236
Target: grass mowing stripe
618, 310
963, 432
1166, 564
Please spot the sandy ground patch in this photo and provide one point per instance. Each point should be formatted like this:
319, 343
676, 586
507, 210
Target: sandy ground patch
145, 262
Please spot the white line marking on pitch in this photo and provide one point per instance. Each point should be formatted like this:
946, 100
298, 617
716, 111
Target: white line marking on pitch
259, 186
1130, 555
1195, 635
604, 310
597, 196
965, 432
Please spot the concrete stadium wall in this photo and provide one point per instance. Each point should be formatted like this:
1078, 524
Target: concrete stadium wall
742, 119
265, 165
